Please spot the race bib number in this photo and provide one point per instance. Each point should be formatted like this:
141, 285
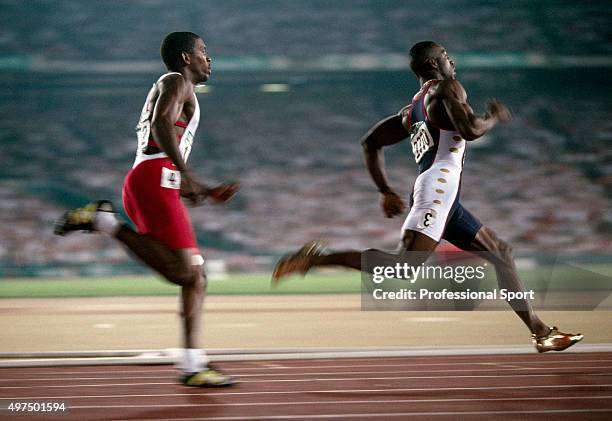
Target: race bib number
170, 179
428, 218
421, 140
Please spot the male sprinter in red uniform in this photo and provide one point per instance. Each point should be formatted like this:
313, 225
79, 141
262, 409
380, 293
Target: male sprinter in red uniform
439, 121
152, 192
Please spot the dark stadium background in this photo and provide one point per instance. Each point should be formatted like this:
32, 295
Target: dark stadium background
294, 86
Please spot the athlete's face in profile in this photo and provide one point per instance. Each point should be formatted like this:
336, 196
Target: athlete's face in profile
201, 63
446, 66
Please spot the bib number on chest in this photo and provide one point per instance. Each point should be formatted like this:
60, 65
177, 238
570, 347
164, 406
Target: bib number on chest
421, 140
170, 179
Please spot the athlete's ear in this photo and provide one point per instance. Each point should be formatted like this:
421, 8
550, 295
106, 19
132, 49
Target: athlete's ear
186, 57
432, 62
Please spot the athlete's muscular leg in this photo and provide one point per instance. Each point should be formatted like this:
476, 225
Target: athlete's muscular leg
412, 241
178, 267
499, 253
171, 264
192, 298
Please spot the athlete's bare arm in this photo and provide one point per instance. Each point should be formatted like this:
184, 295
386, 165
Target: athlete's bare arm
386, 132
449, 107
174, 93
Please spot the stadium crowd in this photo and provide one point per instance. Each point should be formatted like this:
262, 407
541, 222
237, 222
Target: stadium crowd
72, 30
298, 157
544, 181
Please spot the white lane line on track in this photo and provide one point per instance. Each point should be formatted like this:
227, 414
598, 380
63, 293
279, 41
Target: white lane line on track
448, 360
506, 365
335, 391
104, 326
333, 379
379, 415
350, 402
270, 365
554, 363
238, 375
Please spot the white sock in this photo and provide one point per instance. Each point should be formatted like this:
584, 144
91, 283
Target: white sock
204, 360
107, 223
193, 360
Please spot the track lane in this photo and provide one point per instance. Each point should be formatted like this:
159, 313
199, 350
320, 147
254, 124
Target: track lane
468, 387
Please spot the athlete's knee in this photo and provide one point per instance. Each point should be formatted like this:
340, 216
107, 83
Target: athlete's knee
503, 249
203, 279
184, 276
187, 270
197, 278
413, 241
499, 245
407, 242
506, 252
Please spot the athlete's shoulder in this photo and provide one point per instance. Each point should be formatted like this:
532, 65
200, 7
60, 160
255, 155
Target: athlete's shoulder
175, 83
450, 88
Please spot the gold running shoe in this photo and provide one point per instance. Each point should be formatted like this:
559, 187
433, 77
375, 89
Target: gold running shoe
207, 378
555, 340
81, 219
296, 262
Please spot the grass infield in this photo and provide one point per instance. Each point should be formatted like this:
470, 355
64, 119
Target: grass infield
593, 277
151, 285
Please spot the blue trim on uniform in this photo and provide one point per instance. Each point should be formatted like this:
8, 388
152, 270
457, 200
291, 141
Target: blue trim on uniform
428, 159
462, 227
416, 115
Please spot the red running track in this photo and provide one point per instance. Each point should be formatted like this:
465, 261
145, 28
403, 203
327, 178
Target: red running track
507, 387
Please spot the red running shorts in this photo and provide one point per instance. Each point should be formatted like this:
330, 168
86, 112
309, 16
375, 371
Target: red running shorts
151, 198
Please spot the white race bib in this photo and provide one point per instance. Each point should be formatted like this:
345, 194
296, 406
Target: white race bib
170, 179
421, 140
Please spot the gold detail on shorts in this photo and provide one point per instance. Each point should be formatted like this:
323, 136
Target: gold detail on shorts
457, 138
454, 150
445, 170
439, 191
441, 180
437, 202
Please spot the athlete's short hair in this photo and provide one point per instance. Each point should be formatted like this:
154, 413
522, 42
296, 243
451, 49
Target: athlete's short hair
174, 45
419, 53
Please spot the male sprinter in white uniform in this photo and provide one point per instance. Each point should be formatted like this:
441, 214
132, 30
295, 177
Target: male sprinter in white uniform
152, 192
439, 121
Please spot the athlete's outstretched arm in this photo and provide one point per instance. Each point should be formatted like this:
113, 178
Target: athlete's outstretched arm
461, 115
386, 132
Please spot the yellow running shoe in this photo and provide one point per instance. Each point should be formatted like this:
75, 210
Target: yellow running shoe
81, 219
555, 340
300, 261
207, 378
